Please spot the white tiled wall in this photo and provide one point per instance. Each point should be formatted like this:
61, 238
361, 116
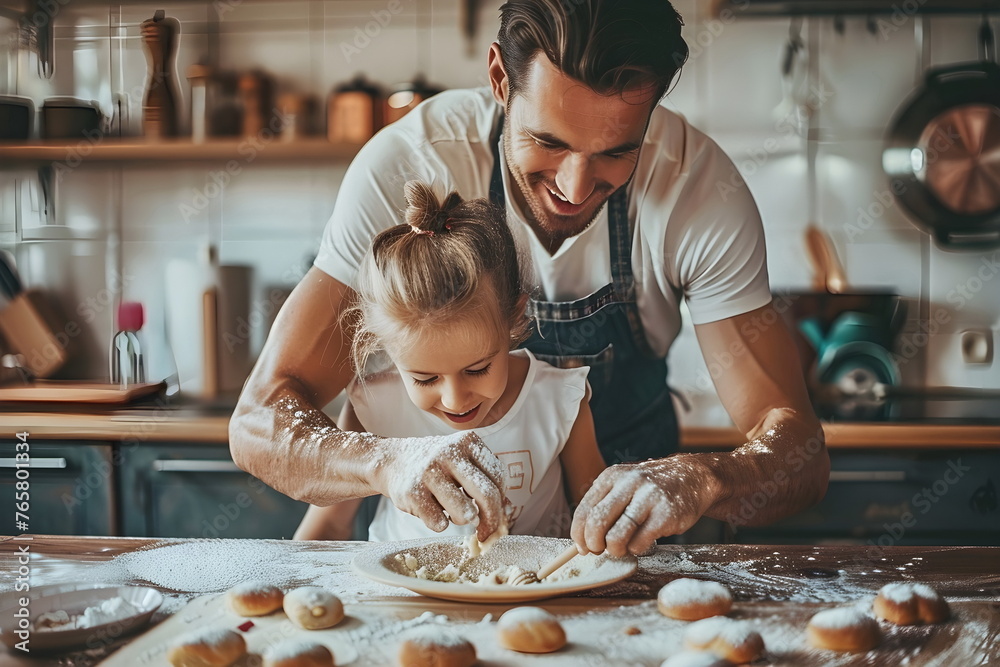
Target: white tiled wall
271, 216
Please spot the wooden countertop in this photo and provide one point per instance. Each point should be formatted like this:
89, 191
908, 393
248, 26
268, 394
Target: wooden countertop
186, 425
775, 587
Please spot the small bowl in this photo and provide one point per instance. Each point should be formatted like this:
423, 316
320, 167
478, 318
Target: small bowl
74, 599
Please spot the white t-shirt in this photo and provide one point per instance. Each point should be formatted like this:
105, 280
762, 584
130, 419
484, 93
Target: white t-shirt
528, 441
697, 229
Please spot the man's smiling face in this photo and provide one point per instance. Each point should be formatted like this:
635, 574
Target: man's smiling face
567, 147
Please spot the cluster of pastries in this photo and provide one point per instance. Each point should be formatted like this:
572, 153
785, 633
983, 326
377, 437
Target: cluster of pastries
309, 607
713, 640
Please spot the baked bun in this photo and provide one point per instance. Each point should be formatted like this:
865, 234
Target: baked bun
298, 653
216, 647
431, 646
313, 608
530, 630
255, 598
843, 629
694, 599
695, 659
735, 641
910, 604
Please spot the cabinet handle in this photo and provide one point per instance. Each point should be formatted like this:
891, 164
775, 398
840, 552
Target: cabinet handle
194, 465
53, 463
867, 475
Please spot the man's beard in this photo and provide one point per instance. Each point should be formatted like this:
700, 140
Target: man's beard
555, 228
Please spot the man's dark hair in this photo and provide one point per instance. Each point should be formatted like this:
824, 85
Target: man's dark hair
610, 45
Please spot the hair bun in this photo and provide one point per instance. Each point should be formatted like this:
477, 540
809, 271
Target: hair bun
423, 210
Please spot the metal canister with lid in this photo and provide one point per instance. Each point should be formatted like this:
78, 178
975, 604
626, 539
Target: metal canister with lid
354, 111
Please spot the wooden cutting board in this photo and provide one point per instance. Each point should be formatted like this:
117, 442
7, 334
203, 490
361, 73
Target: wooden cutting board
77, 391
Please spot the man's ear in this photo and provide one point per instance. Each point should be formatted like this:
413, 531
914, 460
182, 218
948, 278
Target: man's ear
498, 75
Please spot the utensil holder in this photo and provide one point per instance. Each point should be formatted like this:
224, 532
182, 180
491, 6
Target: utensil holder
27, 326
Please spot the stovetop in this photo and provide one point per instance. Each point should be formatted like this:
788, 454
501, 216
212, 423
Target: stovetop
951, 407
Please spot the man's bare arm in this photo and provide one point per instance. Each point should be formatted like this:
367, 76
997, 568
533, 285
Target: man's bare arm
280, 434
278, 431
783, 467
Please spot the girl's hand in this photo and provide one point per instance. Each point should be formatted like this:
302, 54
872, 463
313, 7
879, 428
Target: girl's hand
632, 504
437, 478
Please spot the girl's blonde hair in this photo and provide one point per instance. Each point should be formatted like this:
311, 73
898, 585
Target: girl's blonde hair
450, 261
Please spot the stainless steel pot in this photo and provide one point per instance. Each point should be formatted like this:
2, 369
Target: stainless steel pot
942, 153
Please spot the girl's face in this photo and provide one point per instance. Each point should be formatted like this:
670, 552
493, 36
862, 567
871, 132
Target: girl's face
456, 372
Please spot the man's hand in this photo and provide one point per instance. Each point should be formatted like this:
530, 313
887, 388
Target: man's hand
632, 504
436, 478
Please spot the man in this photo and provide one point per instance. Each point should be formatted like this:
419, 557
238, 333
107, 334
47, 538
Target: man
614, 199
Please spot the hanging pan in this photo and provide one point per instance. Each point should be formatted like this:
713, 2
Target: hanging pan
942, 152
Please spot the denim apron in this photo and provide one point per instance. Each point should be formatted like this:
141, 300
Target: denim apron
631, 403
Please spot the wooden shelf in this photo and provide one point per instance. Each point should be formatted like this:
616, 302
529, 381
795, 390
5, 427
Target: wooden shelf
762, 8
141, 151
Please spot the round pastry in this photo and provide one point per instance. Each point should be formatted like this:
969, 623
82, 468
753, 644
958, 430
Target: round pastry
298, 653
910, 604
313, 608
255, 598
530, 630
693, 599
735, 641
695, 659
430, 646
217, 647
843, 629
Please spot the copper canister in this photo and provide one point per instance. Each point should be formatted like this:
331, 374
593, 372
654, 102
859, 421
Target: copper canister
354, 112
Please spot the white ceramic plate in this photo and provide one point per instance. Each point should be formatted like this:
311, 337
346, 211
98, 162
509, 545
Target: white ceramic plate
74, 599
384, 562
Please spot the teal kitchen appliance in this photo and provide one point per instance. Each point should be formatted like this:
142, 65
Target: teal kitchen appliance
854, 353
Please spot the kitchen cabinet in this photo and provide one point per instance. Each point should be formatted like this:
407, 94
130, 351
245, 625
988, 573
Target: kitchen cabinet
883, 498
70, 486
186, 490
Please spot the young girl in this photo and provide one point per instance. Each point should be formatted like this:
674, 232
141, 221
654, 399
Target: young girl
442, 296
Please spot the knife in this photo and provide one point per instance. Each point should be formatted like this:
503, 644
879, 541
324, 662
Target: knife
10, 282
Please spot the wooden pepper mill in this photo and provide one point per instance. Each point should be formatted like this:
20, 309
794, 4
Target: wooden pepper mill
160, 35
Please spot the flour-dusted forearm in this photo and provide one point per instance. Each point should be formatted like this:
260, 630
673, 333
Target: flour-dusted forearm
782, 469
295, 448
